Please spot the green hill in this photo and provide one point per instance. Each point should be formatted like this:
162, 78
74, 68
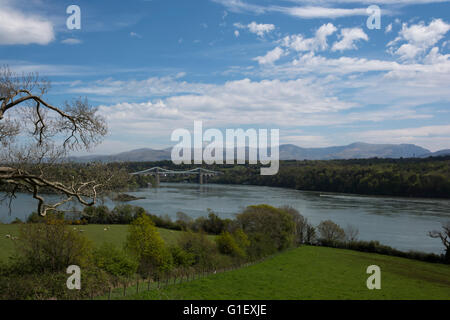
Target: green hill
115, 234
317, 273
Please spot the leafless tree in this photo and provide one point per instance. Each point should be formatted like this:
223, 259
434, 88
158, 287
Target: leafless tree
351, 233
330, 231
35, 135
444, 235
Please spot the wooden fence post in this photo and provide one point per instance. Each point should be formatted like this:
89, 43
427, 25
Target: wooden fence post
137, 285
109, 294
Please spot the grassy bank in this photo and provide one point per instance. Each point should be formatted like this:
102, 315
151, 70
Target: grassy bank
116, 234
317, 273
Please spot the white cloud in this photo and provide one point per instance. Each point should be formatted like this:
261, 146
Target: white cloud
306, 141
318, 42
241, 6
135, 35
304, 12
388, 28
234, 103
236, 33
433, 137
321, 12
419, 38
154, 86
260, 29
434, 57
71, 41
403, 2
348, 38
18, 28
271, 56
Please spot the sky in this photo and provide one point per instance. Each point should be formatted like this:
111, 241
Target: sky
315, 70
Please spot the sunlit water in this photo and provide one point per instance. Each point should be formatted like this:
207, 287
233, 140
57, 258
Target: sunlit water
402, 223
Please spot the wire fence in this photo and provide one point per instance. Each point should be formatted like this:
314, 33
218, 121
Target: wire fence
140, 285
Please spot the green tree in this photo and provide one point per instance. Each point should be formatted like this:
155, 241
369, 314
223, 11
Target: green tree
300, 222
269, 229
146, 244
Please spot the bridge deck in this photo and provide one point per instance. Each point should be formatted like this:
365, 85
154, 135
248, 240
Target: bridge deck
161, 171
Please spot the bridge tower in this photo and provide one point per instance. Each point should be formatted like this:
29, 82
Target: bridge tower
157, 178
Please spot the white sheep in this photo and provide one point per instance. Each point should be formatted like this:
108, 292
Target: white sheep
8, 236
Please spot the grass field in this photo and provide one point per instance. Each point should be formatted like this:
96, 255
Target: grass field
115, 235
303, 273
317, 273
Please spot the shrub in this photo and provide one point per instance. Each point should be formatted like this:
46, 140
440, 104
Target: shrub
213, 224
227, 244
50, 285
181, 258
115, 261
16, 221
51, 246
183, 220
97, 215
164, 222
233, 244
203, 250
376, 247
37, 218
125, 214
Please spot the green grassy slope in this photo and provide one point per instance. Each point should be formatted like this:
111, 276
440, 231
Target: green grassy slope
116, 234
317, 273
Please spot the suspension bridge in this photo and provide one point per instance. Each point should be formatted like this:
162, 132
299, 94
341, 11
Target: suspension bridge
202, 173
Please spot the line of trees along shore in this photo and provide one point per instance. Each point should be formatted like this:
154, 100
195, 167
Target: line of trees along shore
409, 177
412, 177
403, 177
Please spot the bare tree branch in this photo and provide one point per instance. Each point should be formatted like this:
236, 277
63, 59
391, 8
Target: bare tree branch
35, 133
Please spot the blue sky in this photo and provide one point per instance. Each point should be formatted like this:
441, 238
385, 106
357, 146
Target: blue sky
312, 69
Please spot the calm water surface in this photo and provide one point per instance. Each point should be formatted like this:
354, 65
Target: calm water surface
402, 223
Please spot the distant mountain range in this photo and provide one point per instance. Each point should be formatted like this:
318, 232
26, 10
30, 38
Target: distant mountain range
358, 150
